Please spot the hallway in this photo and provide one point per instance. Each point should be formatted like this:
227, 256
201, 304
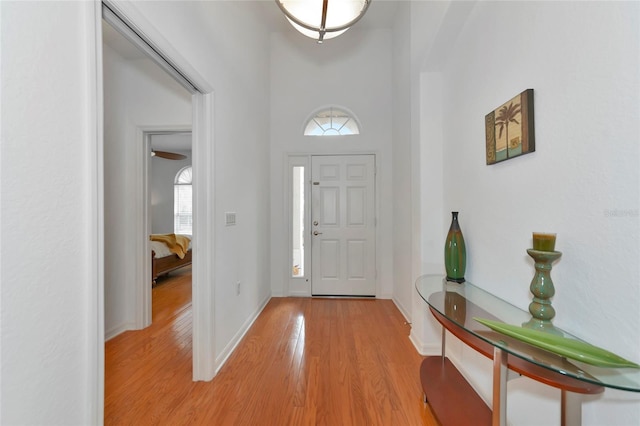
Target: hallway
303, 362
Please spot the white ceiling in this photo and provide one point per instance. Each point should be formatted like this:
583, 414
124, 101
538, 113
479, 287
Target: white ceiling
172, 142
380, 15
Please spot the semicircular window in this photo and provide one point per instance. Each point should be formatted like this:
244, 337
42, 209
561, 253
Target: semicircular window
332, 122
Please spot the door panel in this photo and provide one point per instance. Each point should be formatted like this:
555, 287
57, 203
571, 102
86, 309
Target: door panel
356, 208
343, 230
329, 206
356, 256
330, 257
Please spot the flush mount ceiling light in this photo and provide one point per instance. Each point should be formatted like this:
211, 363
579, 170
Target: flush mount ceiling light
323, 19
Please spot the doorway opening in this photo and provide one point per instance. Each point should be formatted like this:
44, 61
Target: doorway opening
125, 19
169, 206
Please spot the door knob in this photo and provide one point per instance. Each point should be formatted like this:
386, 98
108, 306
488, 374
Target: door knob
316, 233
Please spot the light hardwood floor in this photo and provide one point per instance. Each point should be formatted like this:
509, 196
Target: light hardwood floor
303, 362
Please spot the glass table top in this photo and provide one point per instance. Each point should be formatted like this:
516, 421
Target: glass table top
460, 303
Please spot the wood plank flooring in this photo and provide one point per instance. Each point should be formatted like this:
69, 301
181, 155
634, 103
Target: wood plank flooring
303, 362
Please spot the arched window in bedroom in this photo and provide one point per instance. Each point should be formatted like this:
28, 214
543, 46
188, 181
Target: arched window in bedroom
332, 121
182, 205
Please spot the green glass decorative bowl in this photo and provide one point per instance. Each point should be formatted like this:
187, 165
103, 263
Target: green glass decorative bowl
570, 348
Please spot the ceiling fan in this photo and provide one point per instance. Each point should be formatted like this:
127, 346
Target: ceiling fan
168, 155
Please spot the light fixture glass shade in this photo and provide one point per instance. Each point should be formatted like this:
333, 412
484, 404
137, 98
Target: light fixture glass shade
323, 19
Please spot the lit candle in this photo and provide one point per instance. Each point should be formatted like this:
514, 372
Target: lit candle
544, 241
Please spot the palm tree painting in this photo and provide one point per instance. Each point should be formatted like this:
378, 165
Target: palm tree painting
508, 115
509, 129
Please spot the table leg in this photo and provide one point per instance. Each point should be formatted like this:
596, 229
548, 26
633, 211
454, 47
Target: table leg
571, 409
499, 387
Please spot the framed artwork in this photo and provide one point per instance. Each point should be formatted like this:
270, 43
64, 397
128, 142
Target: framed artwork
509, 129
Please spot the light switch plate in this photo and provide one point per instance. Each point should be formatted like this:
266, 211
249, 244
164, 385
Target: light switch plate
230, 218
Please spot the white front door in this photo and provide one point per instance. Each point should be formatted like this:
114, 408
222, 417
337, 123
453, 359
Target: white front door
343, 228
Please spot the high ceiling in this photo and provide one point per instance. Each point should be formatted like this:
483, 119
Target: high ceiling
380, 15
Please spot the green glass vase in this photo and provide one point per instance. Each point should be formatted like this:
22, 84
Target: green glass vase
455, 252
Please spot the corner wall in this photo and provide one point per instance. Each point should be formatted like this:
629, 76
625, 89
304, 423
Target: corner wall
402, 162
583, 182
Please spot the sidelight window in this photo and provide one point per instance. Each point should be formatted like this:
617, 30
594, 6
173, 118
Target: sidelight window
297, 215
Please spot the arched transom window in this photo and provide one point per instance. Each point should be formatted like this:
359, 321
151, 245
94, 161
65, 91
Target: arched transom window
332, 121
182, 204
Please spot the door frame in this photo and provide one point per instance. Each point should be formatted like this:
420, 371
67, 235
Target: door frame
301, 286
143, 208
203, 282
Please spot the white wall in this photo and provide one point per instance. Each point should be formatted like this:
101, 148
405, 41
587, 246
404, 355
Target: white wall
582, 60
352, 71
48, 281
427, 22
402, 164
137, 95
415, 29
163, 175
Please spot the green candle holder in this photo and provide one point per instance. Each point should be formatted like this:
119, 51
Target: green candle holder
543, 290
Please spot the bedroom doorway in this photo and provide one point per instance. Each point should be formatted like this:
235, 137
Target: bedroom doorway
169, 210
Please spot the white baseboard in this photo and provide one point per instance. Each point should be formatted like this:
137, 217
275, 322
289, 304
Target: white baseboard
115, 331
402, 310
228, 350
422, 348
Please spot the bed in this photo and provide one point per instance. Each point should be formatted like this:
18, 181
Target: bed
168, 253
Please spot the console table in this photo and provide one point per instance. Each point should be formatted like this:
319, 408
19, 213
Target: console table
454, 306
